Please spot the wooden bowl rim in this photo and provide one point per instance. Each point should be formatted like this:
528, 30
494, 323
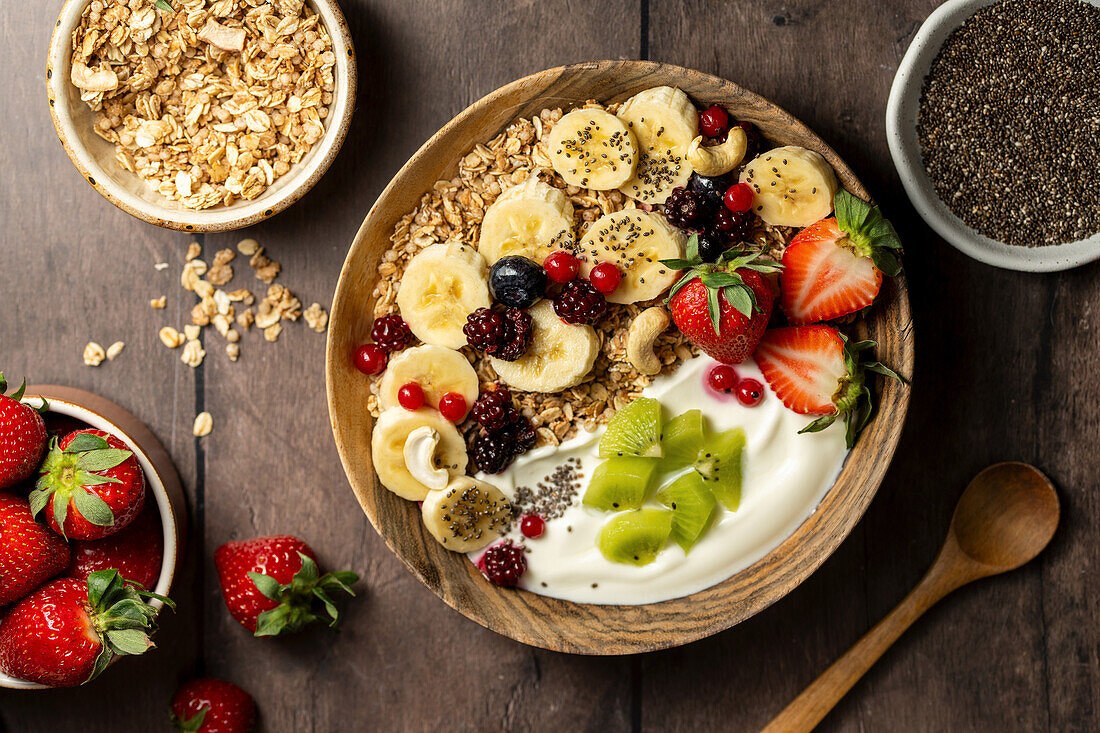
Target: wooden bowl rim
605, 638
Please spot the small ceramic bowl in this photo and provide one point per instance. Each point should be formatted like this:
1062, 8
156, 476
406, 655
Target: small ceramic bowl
94, 157
83, 409
901, 133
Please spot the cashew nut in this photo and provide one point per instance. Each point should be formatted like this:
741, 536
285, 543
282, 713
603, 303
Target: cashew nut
719, 159
224, 37
643, 333
103, 80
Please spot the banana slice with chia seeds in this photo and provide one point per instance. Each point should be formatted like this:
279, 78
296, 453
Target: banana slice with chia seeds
436, 369
560, 355
792, 186
442, 284
531, 219
664, 121
592, 149
634, 241
387, 449
467, 514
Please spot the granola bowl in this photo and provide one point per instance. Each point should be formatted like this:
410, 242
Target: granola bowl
407, 216
186, 134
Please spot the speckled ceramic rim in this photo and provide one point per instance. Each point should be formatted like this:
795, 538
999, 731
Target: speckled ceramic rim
901, 134
288, 189
172, 517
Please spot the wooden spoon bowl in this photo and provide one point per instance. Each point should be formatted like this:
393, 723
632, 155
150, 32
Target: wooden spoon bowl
548, 622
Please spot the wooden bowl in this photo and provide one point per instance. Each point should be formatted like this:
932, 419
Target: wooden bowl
94, 157
77, 409
549, 622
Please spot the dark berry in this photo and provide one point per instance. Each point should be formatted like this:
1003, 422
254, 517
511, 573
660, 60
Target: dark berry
452, 405
711, 245
561, 266
491, 452
532, 526
493, 410
411, 396
517, 282
503, 564
605, 277
714, 121
711, 187
734, 227
738, 198
391, 332
722, 378
505, 336
520, 433
518, 331
580, 302
686, 209
484, 329
370, 359
750, 392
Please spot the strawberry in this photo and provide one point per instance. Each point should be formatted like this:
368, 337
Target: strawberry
92, 483
813, 370
22, 436
834, 267
723, 307
212, 706
271, 584
68, 631
30, 554
136, 551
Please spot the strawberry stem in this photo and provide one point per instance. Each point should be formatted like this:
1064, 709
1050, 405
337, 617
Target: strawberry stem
299, 599
721, 278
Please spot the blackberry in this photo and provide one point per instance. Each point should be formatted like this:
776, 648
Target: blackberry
733, 226
580, 302
518, 331
493, 409
503, 564
713, 188
711, 245
505, 336
391, 332
519, 432
686, 209
484, 329
491, 452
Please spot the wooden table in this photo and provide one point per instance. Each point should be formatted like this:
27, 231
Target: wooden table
1006, 369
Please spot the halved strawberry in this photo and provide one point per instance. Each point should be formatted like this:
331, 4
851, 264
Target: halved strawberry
813, 370
834, 267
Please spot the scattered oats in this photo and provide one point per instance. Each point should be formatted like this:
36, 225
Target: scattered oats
221, 323
316, 318
221, 272
246, 319
234, 351
248, 247
193, 250
191, 331
222, 302
160, 266
159, 303
232, 336
114, 350
271, 333
241, 296
204, 289
193, 354
94, 354
170, 337
266, 315
204, 423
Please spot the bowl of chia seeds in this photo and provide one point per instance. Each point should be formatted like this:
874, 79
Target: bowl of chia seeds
993, 123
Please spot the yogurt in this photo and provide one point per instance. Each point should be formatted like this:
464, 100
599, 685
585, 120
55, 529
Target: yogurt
785, 477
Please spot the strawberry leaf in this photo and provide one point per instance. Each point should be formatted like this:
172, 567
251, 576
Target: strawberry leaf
163, 5
60, 513
342, 579
714, 309
18, 394
99, 583
869, 231
192, 724
102, 459
721, 279
3, 383
267, 585
678, 264
742, 299
886, 261
129, 641
93, 508
106, 654
307, 576
874, 366
330, 607
819, 424
85, 478
274, 621
680, 285
38, 499
86, 442
692, 249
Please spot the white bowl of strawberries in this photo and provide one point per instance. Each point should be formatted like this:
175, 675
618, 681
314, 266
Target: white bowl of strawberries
91, 511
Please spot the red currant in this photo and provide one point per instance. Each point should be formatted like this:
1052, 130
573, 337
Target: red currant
453, 406
370, 359
411, 396
561, 266
722, 378
738, 198
532, 526
714, 121
750, 392
605, 277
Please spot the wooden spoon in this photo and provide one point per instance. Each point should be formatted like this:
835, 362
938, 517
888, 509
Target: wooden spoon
1006, 516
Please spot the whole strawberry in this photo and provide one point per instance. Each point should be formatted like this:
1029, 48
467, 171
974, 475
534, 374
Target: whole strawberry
136, 552
22, 436
30, 554
271, 585
724, 307
68, 631
207, 705
92, 485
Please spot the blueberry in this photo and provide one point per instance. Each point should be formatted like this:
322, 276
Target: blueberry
517, 282
711, 188
711, 244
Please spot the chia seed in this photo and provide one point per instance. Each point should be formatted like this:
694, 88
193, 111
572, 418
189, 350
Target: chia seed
1009, 121
552, 495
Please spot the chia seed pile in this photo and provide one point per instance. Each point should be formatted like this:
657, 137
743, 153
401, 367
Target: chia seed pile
553, 495
1009, 121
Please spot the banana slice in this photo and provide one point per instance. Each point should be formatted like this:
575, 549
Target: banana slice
466, 515
664, 121
794, 186
592, 149
531, 219
436, 369
560, 355
387, 448
442, 285
635, 241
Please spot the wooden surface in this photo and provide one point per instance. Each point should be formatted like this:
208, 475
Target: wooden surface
1007, 370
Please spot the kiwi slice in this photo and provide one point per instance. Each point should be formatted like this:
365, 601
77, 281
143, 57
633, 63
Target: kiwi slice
719, 463
681, 439
634, 431
635, 537
620, 483
692, 506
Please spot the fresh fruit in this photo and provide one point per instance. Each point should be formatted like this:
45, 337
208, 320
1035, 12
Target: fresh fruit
713, 188
579, 302
136, 552
620, 483
435, 369
560, 355
503, 564
688, 209
719, 465
637, 240
411, 396
452, 405
467, 515
592, 149
692, 507
22, 436
749, 392
388, 443
711, 246
494, 409
834, 267
664, 122
635, 430
491, 452
272, 586
722, 378
391, 333
505, 336
370, 359
738, 198
208, 705
532, 526
68, 631
730, 226
532, 219
681, 439
92, 485
442, 284
792, 186
635, 537
516, 281
814, 370
605, 277
30, 554
714, 121
722, 308
561, 266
